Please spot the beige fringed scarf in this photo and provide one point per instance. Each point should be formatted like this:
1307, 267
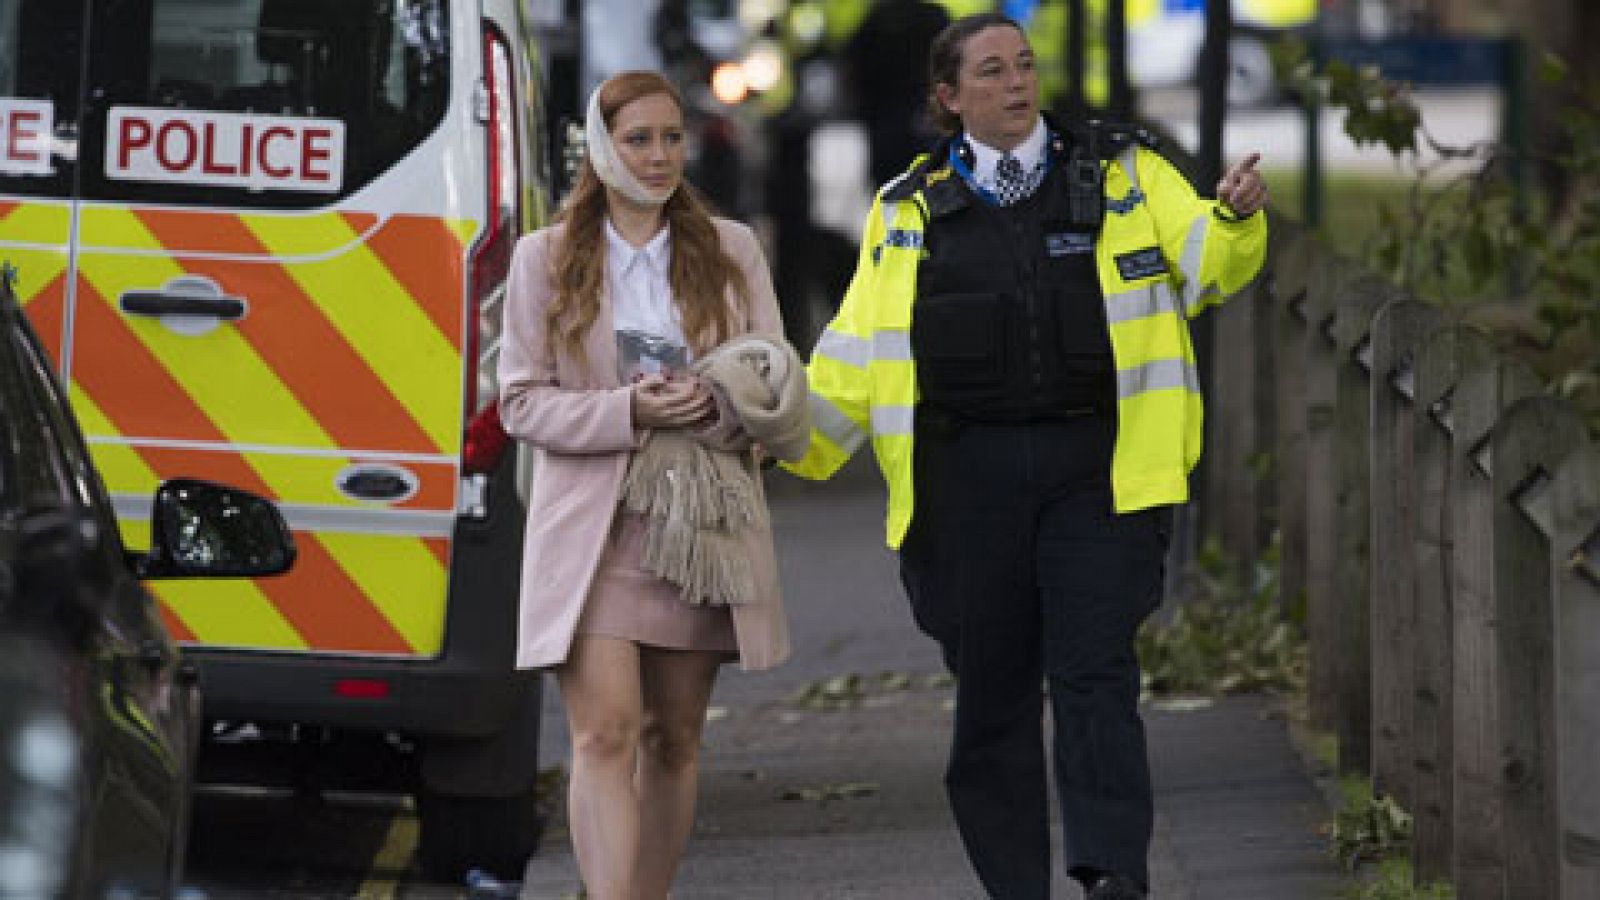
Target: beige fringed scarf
700, 490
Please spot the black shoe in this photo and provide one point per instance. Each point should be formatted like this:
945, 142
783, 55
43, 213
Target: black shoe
1115, 887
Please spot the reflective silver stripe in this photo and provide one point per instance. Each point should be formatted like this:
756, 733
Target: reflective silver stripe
1141, 302
834, 424
1194, 245
892, 419
891, 345
1127, 159
279, 450
305, 517
845, 348
1156, 375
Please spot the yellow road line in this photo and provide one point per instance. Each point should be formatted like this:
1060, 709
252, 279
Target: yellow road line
393, 858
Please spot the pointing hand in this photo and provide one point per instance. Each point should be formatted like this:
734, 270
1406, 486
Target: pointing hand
1241, 189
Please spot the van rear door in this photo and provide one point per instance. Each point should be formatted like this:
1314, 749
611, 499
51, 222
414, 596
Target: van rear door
270, 291
41, 49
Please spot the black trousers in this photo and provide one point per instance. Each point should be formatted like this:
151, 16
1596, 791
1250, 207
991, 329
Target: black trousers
1016, 564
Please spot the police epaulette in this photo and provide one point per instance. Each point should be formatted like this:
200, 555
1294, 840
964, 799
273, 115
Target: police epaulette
911, 180
1109, 139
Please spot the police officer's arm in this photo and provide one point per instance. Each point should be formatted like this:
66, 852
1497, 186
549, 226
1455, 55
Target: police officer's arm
837, 371
1215, 251
534, 405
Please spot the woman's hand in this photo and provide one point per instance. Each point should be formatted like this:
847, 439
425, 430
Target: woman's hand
1241, 188
670, 401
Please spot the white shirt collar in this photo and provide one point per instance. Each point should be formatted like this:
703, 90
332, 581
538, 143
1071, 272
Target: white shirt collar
1030, 152
621, 256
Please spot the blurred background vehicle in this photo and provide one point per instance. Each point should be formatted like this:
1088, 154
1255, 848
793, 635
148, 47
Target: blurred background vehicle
99, 711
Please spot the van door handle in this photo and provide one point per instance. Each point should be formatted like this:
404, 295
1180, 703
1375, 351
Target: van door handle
162, 303
187, 304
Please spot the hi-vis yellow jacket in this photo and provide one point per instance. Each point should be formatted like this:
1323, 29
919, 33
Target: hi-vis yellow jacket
863, 379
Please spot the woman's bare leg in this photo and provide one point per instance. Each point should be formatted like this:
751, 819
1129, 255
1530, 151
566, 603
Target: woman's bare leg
600, 690
677, 688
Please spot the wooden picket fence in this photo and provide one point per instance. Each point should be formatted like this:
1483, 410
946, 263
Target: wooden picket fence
1439, 516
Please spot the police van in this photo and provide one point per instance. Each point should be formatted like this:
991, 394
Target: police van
266, 242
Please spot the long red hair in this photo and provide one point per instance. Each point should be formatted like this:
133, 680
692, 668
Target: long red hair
701, 270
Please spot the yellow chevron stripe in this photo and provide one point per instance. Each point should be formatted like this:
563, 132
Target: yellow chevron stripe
229, 611
37, 222
373, 312
35, 270
251, 405
302, 479
122, 469
465, 229
401, 577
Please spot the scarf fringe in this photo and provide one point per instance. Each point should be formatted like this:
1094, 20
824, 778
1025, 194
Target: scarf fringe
693, 513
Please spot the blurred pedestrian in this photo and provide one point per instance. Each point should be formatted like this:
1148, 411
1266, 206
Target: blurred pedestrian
641, 364
885, 64
1015, 345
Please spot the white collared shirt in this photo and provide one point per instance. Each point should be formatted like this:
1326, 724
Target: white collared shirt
1030, 153
639, 283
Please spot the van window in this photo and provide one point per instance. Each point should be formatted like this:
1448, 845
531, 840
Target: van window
259, 103
40, 58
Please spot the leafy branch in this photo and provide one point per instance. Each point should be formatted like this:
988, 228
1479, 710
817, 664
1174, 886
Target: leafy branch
1525, 264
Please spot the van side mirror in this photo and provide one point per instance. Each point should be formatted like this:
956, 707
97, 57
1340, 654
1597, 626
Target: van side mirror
201, 529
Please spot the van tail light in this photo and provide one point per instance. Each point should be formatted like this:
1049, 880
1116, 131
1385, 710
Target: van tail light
485, 442
361, 688
484, 439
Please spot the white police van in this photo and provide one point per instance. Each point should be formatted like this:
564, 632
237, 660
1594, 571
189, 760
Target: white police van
266, 242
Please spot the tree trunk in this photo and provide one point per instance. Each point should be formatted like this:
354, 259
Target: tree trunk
1569, 29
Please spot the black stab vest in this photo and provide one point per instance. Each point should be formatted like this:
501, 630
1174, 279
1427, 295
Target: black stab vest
1008, 324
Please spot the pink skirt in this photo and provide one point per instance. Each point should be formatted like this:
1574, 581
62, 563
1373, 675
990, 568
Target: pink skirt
627, 602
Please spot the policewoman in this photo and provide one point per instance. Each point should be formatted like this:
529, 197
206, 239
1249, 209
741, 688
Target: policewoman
1014, 343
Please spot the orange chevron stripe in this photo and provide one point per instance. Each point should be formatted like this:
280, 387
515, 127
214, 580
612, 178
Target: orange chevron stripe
359, 222
308, 355
434, 279
188, 231
436, 487
317, 598
326, 607
6, 206
46, 309
440, 548
175, 626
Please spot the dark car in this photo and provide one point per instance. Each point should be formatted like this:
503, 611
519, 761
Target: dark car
99, 713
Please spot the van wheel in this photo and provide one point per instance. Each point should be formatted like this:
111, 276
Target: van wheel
495, 834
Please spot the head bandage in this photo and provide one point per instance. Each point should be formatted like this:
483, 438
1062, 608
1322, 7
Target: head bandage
608, 166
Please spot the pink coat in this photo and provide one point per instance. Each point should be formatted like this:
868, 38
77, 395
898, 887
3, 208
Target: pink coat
578, 422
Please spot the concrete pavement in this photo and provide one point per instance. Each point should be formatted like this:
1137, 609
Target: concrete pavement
839, 795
